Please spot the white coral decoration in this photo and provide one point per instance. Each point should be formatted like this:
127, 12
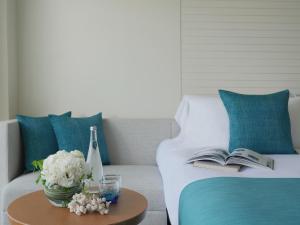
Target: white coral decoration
84, 203
65, 169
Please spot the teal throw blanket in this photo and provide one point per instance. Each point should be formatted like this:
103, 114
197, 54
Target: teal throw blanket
241, 201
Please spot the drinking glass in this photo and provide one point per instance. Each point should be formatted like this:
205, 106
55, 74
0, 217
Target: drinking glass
110, 187
113, 177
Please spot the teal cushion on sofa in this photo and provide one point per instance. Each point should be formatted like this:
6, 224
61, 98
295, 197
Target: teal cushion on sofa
259, 122
38, 138
74, 133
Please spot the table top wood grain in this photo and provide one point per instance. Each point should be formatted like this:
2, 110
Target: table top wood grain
34, 209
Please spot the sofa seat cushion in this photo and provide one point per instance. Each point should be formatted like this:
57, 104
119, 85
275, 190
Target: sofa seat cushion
143, 179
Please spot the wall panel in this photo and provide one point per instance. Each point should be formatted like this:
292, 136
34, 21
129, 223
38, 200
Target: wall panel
118, 57
241, 45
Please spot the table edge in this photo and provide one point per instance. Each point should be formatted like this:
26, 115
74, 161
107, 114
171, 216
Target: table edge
137, 218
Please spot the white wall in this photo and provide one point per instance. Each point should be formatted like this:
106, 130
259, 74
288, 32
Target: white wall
136, 58
3, 62
118, 57
8, 60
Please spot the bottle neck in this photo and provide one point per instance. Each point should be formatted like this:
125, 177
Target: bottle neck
93, 139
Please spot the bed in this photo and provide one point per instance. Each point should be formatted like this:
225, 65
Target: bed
178, 176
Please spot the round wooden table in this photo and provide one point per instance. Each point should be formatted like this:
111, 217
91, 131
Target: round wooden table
34, 209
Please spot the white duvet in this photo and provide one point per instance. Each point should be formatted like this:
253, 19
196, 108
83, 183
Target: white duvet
176, 174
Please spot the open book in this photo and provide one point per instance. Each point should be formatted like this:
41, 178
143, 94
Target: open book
240, 156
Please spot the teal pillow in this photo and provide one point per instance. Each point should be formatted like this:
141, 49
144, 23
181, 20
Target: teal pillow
74, 133
38, 138
259, 122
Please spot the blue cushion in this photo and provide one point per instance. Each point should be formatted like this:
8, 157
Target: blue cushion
38, 138
74, 133
259, 122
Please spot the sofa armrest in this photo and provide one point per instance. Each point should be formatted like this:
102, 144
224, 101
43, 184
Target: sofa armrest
11, 156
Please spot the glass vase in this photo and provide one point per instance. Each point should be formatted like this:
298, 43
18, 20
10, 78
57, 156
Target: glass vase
61, 196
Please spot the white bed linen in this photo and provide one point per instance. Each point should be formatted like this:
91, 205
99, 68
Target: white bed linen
171, 157
203, 121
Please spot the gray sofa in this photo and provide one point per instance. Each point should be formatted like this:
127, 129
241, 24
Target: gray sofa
132, 147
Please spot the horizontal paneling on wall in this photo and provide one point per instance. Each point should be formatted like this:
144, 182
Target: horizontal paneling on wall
246, 46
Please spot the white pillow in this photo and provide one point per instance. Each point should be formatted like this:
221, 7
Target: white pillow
204, 122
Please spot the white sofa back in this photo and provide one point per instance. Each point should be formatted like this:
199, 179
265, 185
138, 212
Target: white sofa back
134, 141
130, 142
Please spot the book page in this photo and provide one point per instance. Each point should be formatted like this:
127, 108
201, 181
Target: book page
249, 158
210, 154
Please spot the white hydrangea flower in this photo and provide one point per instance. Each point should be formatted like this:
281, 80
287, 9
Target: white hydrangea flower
64, 168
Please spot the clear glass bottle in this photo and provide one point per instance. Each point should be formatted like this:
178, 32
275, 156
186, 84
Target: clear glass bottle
94, 159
